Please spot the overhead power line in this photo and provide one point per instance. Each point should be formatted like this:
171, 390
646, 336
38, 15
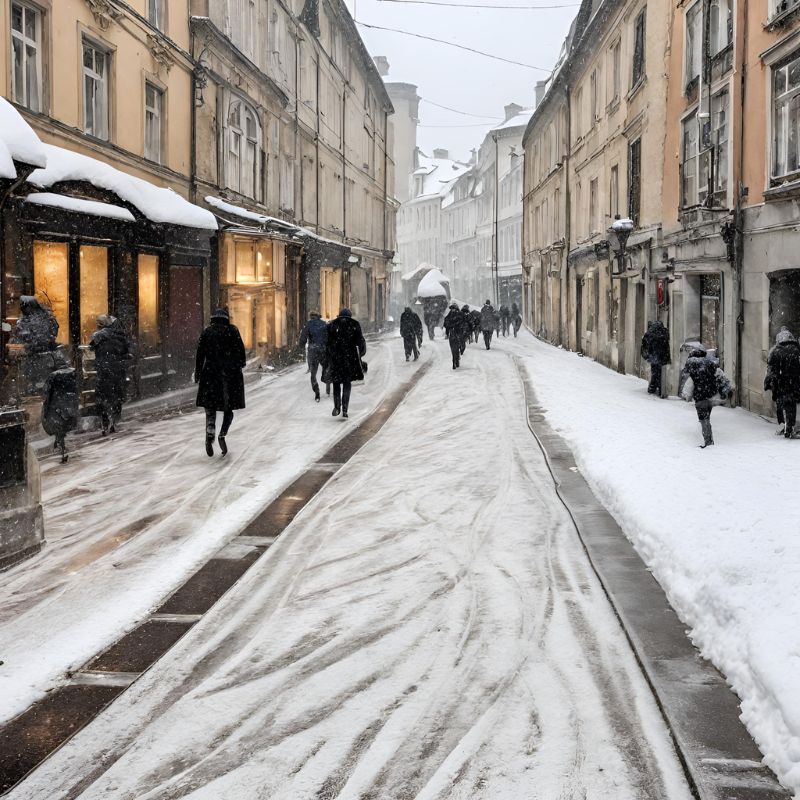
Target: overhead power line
456, 111
468, 125
453, 44
481, 5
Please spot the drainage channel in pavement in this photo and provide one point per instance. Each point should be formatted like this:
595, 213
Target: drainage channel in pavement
28, 739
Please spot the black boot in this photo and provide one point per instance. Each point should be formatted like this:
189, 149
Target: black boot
336, 411
209, 443
316, 395
222, 445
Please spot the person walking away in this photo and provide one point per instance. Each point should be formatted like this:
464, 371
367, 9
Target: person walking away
431, 318
706, 386
315, 335
411, 331
218, 372
60, 406
505, 316
475, 320
111, 353
655, 350
455, 331
346, 346
466, 317
516, 318
783, 376
487, 323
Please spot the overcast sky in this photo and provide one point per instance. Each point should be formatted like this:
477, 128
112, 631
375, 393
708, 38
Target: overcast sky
459, 79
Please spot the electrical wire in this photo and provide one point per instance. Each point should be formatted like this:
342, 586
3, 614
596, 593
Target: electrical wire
480, 5
470, 125
453, 44
456, 111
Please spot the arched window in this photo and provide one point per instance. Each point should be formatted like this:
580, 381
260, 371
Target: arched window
243, 139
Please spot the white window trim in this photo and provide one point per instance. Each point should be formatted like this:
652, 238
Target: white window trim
160, 22
38, 44
97, 47
235, 182
158, 113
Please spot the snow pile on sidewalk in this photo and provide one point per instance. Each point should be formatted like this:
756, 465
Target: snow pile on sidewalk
720, 528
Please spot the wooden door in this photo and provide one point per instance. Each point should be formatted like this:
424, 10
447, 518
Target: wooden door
185, 322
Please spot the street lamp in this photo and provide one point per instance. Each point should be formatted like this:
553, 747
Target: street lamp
618, 235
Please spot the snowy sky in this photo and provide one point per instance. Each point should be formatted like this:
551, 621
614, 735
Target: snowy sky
459, 79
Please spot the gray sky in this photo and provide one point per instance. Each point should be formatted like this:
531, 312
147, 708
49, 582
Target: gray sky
459, 79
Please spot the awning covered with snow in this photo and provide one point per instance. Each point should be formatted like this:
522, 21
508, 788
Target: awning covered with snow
18, 142
432, 285
155, 203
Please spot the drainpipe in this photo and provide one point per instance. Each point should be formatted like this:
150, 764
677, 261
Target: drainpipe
496, 248
564, 301
193, 153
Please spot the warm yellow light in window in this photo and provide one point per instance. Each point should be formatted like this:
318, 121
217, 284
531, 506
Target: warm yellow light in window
149, 338
94, 288
51, 282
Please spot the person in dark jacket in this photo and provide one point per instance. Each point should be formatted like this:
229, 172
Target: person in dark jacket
708, 387
315, 334
60, 406
411, 331
655, 350
455, 329
516, 318
505, 317
37, 327
487, 323
346, 346
466, 315
218, 371
783, 379
475, 315
111, 354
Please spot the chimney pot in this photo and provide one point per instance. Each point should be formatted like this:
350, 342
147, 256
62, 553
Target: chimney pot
511, 110
540, 87
382, 64
440, 152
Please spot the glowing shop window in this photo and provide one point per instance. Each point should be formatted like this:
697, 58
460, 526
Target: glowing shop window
264, 261
245, 262
241, 311
149, 338
51, 282
278, 262
94, 288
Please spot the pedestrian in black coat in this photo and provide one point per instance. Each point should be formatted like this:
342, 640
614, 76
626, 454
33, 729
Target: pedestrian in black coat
60, 405
315, 334
487, 323
475, 321
467, 317
708, 387
111, 354
505, 316
516, 318
455, 328
783, 378
346, 346
655, 350
411, 331
37, 327
218, 371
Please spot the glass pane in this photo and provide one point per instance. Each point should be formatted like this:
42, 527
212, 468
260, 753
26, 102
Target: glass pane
793, 140
794, 74
245, 262
241, 311
264, 261
32, 79
30, 24
88, 105
149, 337
94, 288
779, 80
16, 17
99, 62
88, 57
150, 95
51, 282
19, 72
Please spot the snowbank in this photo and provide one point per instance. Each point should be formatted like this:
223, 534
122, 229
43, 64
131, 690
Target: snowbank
720, 528
81, 206
155, 203
431, 285
18, 142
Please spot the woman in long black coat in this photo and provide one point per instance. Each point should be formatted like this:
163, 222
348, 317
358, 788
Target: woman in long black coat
346, 346
110, 347
218, 371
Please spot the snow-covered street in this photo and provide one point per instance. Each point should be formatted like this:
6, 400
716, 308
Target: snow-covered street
428, 627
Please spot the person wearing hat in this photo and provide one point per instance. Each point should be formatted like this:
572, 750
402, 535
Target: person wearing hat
218, 372
487, 323
343, 365
315, 334
411, 331
783, 379
110, 347
455, 327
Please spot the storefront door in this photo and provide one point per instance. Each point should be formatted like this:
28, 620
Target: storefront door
185, 316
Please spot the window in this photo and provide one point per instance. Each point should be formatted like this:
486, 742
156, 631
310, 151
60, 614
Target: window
638, 48
287, 184
253, 260
613, 192
694, 42
153, 125
556, 214
720, 26
719, 127
615, 70
93, 288
243, 134
594, 100
786, 118
699, 150
634, 180
155, 13
26, 58
95, 90
710, 293
51, 282
593, 206
579, 112
690, 161
149, 336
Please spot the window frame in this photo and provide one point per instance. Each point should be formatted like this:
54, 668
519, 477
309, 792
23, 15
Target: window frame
239, 133
96, 47
160, 115
39, 44
639, 50
787, 96
157, 20
635, 180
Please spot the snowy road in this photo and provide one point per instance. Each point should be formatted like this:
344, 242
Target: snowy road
127, 520
428, 627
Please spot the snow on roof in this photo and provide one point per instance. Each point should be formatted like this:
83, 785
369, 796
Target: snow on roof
431, 285
155, 203
518, 121
229, 208
423, 267
82, 206
438, 174
18, 142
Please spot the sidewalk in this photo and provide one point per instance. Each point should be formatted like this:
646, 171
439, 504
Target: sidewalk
718, 528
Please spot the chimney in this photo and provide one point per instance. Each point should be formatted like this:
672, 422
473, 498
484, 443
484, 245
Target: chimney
441, 153
540, 87
511, 110
473, 156
382, 63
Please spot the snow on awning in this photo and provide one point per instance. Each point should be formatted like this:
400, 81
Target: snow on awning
90, 207
431, 285
155, 203
18, 142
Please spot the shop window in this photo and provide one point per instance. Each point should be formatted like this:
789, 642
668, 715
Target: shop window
241, 311
93, 288
710, 293
245, 262
784, 289
264, 261
26, 56
96, 68
330, 292
149, 337
279, 263
51, 282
